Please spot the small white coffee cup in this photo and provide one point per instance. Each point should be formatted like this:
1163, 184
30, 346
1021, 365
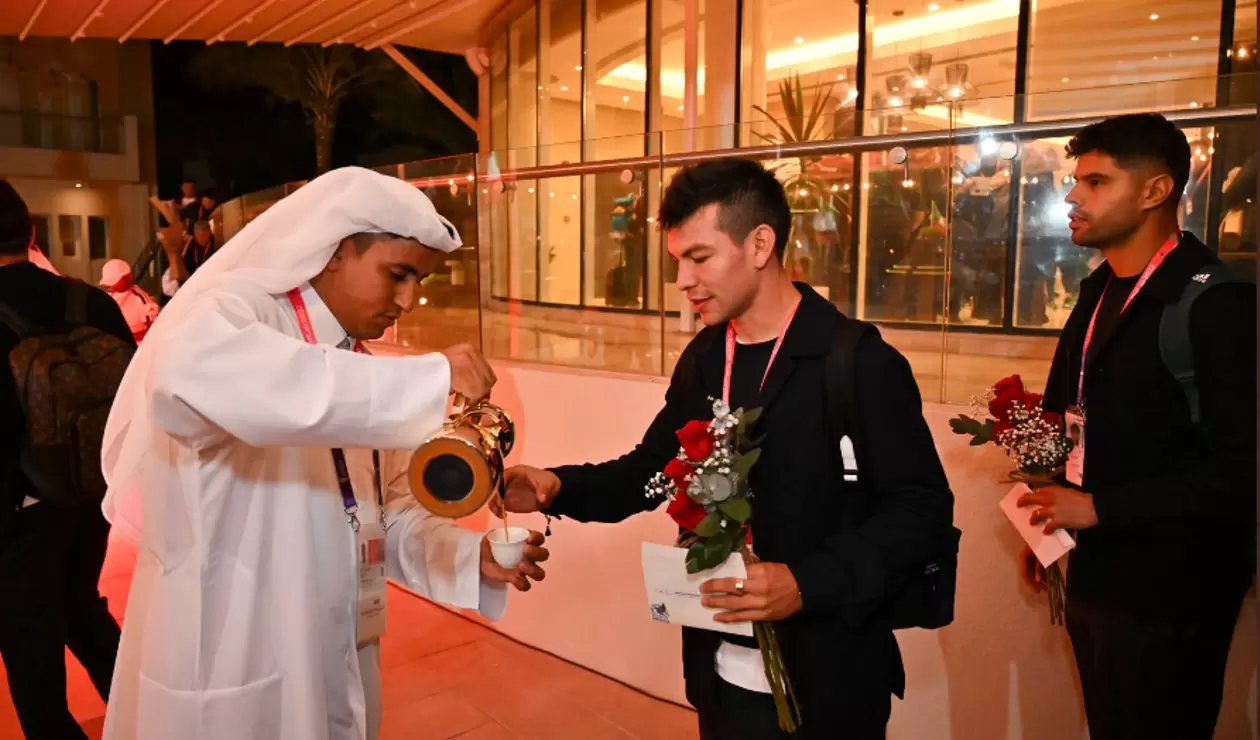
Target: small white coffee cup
508, 547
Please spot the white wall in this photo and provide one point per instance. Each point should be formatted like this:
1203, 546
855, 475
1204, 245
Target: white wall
999, 672
125, 206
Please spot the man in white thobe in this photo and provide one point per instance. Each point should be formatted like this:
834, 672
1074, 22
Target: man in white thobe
244, 619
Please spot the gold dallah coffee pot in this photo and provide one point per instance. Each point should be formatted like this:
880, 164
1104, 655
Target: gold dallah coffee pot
457, 470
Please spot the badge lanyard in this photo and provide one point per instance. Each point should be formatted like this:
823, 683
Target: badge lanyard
338, 455
730, 355
1156, 260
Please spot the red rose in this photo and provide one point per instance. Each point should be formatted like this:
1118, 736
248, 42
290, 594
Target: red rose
678, 471
1000, 426
686, 512
1052, 419
1000, 407
1013, 385
1032, 400
696, 440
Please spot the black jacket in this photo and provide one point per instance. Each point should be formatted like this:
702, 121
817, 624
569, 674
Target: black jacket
845, 549
1176, 505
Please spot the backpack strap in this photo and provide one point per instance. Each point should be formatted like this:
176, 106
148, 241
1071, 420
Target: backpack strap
840, 390
20, 326
76, 303
1175, 346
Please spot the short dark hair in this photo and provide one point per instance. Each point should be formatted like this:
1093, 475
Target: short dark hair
15, 221
747, 195
365, 239
1135, 140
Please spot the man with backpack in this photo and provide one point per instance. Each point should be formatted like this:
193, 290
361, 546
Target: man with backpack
849, 542
64, 347
1162, 483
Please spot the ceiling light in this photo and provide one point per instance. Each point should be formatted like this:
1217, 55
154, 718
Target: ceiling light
839, 77
577, 68
933, 8
1194, 104
907, 183
1154, 16
846, 186
680, 107
564, 88
78, 184
625, 98
1066, 79
423, 301
895, 101
835, 188
1194, 38
1202, 157
799, 39
531, 190
551, 195
485, 191
574, 196
1242, 52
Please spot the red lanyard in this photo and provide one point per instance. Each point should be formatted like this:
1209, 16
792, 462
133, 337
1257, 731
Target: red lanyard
1156, 260
339, 456
730, 354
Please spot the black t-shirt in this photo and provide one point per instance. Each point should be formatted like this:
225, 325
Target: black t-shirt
1110, 311
746, 375
39, 297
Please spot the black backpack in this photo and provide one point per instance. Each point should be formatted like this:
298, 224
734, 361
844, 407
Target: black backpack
66, 378
923, 598
1175, 346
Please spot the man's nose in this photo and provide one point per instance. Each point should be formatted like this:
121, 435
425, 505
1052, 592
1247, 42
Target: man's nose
408, 295
686, 277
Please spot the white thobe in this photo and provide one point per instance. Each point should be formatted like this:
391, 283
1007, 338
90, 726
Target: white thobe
246, 629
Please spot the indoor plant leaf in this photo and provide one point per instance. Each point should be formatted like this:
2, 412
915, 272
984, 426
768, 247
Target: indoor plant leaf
737, 508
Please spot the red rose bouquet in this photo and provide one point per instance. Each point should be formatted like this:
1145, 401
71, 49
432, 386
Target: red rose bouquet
707, 487
1013, 419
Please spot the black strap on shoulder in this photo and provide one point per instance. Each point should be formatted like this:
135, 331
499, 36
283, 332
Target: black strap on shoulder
76, 303
19, 326
1175, 346
841, 390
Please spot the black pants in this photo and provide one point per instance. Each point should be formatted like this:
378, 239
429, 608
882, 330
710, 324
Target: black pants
50, 562
748, 715
1151, 679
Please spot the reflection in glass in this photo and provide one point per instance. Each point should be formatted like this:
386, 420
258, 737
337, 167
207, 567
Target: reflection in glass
941, 65
1118, 56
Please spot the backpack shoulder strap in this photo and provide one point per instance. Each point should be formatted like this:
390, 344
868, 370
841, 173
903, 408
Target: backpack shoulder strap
76, 302
840, 389
15, 322
1175, 347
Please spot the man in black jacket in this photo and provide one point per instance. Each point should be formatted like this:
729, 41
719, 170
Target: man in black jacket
1165, 506
50, 557
830, 554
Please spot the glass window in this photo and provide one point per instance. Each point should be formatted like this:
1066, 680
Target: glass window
615, 73
1103, 57
98, 238
523, 90
68, 228
940, 65
493, 164
793, 53
560, 136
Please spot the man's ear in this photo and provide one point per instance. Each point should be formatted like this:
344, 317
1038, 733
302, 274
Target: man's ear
339, 256
762, 240
1157, 191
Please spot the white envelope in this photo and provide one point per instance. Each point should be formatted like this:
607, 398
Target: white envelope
673, 594
1047, 548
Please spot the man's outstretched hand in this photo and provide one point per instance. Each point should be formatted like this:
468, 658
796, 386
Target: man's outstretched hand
527, 490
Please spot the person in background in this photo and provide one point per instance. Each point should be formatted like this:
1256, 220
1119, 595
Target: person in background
1164, 502
50, 556
198, 248
137, 306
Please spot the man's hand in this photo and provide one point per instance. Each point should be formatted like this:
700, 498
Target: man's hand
527, 490
471, 376
528, 568
1060, 508
769, 595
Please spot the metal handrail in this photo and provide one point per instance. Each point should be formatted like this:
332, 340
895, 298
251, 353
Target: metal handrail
858, 144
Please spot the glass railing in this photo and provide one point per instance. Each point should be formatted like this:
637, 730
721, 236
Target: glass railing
34, 130
954, 241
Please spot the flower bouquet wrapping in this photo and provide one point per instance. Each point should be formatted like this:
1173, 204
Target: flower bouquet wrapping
707, 487
1010, 417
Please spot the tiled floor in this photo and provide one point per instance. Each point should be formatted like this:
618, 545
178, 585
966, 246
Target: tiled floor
447, 677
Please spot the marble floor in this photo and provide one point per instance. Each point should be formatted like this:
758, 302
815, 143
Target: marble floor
436, 672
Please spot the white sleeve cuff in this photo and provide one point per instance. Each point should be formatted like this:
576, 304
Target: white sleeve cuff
439, 559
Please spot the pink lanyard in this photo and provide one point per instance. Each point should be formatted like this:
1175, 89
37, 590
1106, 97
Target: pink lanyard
304, 319
1156, 260
730, 355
